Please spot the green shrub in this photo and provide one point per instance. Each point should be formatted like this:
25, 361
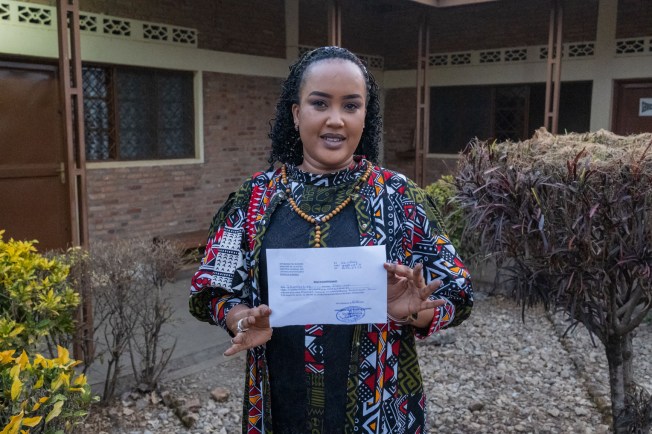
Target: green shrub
41, 395
35, 299
443, 192
37, 395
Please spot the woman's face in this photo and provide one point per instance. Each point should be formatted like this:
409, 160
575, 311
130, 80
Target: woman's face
330, 114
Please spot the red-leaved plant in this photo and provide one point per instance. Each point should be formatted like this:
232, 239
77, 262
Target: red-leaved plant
569, 220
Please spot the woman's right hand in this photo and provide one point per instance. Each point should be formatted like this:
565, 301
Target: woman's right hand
256, 323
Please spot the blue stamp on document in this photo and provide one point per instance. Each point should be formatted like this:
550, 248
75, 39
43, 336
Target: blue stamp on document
350, 314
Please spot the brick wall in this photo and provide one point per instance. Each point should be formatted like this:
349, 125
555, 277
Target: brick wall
362, 25
248, 27
634, 18
254, 27
400, 39
258, 26
148, 201
399, 124
226, 25
313, 24
507, 23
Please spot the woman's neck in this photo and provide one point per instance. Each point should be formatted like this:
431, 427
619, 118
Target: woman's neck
309, 167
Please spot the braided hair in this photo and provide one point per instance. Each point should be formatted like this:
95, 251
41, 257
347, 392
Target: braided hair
286, 146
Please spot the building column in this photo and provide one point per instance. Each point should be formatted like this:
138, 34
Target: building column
422, 130
335, 23
602, 94
71, 90
553, 71
291, 30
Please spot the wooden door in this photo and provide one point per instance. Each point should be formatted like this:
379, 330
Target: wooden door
632, 107
34, 198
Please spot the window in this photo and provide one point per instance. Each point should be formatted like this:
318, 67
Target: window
457, 114
137, 113
501, 112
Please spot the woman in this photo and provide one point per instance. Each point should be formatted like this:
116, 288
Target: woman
328, 192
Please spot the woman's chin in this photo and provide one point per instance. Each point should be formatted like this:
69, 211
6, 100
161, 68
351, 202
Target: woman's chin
333, 145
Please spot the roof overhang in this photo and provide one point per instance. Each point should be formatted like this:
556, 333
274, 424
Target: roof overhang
449, 3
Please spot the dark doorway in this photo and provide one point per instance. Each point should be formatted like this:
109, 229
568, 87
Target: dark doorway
34, 201
574, 107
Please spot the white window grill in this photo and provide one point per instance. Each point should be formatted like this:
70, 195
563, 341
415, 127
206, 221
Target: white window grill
155, 32
585, 49
30, 14
438, 59
87, 23
461, 59
516, 55
4, 12
490, 56
630, 46
116, 27
35, 15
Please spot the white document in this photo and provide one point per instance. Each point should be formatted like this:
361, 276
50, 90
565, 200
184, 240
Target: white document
339, 285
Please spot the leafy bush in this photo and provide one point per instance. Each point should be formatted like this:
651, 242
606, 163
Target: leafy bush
41, 395
443, 192
35, 299
569, 218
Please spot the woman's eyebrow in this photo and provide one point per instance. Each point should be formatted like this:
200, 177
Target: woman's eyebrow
327, 95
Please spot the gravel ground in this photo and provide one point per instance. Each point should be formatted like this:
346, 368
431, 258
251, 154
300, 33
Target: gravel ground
492, 374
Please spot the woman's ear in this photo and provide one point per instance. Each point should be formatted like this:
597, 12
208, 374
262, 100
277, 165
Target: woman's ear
295, 114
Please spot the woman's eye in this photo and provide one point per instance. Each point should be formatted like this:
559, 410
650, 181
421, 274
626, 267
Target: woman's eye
351, 107
318, 104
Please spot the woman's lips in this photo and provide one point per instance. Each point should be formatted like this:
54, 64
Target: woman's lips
333, 140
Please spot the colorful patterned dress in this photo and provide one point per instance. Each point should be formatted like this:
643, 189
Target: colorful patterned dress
384, 386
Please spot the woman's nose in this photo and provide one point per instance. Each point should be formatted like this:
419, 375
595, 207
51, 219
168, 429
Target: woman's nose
335, 119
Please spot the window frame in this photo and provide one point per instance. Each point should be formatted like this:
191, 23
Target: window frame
196, 131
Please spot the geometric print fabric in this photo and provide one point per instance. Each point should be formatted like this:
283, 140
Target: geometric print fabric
385, 388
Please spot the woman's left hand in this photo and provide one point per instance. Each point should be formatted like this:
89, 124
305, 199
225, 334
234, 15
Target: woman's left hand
407, 292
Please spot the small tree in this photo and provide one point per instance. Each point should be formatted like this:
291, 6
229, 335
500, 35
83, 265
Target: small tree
130, 309
118, 289
569, 218
160, 263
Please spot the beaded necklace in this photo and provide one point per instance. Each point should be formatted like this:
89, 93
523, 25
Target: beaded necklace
317, 221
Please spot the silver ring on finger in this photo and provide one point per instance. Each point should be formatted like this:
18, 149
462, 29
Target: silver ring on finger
240, 327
